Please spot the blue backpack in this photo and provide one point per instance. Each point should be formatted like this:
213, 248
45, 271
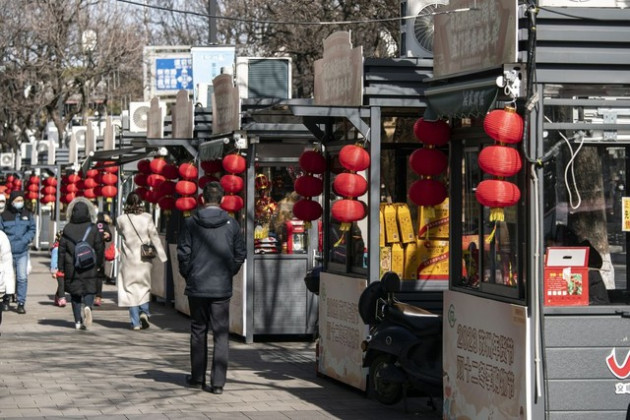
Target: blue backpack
84, 254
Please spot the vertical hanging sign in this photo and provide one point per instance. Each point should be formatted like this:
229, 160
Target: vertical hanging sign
339, 75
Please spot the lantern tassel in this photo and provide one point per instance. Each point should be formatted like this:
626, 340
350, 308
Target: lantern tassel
490, 237
345, 227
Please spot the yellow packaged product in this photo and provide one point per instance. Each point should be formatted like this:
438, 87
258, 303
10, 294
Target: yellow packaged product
407, 234
385, 260
434, 256
433, 222
398, 259
381, 225
391, 224
412, 259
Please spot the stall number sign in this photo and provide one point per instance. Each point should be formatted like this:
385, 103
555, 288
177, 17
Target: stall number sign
621, 371
625, 211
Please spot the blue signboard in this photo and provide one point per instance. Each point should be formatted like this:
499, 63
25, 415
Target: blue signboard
173, 73
207, 63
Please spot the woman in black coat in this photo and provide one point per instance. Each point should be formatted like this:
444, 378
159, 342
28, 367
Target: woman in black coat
80, 283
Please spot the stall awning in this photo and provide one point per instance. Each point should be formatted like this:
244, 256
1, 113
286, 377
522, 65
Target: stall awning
471, 98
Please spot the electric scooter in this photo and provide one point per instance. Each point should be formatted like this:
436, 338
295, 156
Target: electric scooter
403, 350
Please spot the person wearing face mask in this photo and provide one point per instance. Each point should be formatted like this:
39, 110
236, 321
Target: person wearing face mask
19, 226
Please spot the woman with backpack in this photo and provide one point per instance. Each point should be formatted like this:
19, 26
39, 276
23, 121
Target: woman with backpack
81, 250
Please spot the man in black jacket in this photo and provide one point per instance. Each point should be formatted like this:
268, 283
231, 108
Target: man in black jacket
210, 251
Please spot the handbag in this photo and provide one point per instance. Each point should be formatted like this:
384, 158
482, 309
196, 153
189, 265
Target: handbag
148, 250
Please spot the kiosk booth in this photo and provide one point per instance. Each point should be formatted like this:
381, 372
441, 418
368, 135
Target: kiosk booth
536, 315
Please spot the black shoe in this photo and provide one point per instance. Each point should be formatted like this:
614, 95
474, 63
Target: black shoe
5, 306
20, 309
217, 390
193, 384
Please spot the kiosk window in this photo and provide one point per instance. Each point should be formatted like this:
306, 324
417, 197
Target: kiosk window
276, 230
587, 206
489, 259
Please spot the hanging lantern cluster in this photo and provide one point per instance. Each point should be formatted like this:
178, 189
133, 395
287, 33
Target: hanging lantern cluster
109, 180
69, 187
160, 181
12, 183
350, 185
140, 179
186, 188
91, 186
49, 190
309, 185
232, 183
429, 163
211, 169
504, 126
32, 188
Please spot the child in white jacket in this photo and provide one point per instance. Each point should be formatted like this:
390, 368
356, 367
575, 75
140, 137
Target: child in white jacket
7, 275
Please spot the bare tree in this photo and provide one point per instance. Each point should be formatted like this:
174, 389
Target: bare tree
57, 50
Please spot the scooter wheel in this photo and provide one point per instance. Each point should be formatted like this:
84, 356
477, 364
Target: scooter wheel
385, 392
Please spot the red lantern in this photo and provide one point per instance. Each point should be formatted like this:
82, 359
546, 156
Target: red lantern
34, 179
89, 193
427, 192
428, 161
157, 165
495, 193
109, 192
349, 185
142, 192
69, 197
232, 184
91, 173
504, 125
49, 190
186, 187
232, 203
186, 204
73, 178
312, 162
140, 179
10, 179
90, 183
211, 166
435, 133
109, 179
354, 158
307, 209
500, 161
166, 188
308, 186
154, 180
347, 211
144, 166
234, 163
32, 195
48, 198
167, 202
33, 187
110, 167
188, 171
72, 188
50, 181
170, 171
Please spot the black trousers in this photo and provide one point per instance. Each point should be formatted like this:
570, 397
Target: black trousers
209, 314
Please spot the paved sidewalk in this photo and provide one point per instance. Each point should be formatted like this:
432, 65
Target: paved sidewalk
50, 370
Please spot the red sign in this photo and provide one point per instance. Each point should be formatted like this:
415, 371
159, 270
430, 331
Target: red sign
566, 276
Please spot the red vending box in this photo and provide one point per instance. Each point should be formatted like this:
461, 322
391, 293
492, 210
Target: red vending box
566, 276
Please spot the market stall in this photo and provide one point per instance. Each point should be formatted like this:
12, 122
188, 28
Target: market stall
536, 312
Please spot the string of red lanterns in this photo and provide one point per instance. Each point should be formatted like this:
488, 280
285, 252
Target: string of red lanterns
49, 191
354, 158
504, 126
186, 187
429, 163
308, 186
233, 164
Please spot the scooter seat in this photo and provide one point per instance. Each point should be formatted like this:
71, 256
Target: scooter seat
422, 322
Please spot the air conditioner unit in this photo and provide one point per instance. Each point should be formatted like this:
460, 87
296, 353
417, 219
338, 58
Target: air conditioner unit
138, 116
7, 160
79, 136
268, 77
416, 33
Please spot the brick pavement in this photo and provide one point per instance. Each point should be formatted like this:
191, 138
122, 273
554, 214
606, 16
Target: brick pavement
49, 370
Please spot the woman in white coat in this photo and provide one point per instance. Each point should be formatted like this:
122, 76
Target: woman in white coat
136, 227
7, 275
